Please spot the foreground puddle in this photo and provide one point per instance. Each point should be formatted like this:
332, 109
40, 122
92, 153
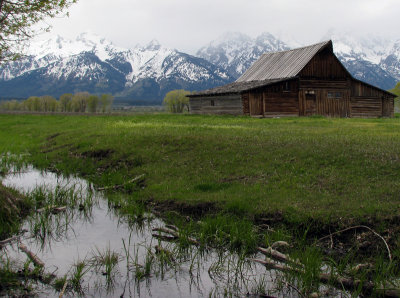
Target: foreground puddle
103, 255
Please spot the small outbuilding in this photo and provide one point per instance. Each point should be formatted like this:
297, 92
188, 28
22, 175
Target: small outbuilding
300, 82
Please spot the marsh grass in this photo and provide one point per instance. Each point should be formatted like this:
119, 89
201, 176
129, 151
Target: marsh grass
15, 207
76, 279
19, 279
224, 231
46, 225
9, 278
105, 260
134, 209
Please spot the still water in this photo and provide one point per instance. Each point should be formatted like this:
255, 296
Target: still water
83, 236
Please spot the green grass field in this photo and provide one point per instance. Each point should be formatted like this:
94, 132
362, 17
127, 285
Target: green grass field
334, 171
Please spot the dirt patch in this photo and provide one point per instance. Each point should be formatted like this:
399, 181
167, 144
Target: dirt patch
53, 136
98, 154
185, 209
51, 149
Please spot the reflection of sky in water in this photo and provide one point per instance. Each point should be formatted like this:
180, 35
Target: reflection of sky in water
103, 229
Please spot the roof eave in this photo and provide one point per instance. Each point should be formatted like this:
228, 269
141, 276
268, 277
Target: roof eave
385, 91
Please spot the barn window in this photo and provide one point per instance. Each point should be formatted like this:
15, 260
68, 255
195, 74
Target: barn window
286, 87
336, 95
212, 102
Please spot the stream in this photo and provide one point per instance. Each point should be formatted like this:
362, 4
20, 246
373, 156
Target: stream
87, 234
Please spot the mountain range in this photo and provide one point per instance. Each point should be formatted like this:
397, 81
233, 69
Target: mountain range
144, 74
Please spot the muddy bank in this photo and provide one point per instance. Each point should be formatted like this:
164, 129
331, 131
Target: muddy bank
336, 237
14, 208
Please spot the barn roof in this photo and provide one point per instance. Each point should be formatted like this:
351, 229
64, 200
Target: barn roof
236, 87
284, 64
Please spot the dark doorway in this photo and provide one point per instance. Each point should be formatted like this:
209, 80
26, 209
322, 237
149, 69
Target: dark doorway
256, 104
311, 104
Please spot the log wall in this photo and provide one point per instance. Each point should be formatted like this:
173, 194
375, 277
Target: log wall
223, 104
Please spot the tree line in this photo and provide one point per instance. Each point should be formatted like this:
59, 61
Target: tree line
81, 102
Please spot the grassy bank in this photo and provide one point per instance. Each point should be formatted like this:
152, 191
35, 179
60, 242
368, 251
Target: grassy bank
304, 177
14, 207
318, 168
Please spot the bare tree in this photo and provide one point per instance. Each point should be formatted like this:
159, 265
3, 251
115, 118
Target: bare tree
17, 18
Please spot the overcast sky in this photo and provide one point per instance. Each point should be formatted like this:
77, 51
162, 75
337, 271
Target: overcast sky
187, 25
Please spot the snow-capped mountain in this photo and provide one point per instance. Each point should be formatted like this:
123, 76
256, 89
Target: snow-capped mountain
235, 52
146, 73
91, 63
373, 60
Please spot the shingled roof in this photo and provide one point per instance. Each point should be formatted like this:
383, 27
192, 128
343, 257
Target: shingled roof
284, 64
235, 87
270, 68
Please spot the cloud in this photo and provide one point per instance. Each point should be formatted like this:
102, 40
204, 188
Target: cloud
188, 25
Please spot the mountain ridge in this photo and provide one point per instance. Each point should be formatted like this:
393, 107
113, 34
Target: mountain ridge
91, 63
146, 73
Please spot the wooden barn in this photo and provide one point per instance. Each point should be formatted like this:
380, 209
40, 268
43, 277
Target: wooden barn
300, 82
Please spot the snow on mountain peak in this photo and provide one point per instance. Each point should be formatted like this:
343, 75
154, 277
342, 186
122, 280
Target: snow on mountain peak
60, 47
236, 51
153, 45
370, 48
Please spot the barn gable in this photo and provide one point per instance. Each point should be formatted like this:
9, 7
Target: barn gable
325, 65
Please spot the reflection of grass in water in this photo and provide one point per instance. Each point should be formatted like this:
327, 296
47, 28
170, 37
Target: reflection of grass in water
9, 278
107, 260
135, 210
21, 279
49, 223
143, 271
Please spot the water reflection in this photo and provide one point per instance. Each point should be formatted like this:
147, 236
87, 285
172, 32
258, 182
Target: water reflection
105, 255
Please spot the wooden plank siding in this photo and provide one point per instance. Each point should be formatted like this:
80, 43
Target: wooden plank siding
368, 101
336, 105
281, 103
245, 104
274, 100
228, 104
324, 65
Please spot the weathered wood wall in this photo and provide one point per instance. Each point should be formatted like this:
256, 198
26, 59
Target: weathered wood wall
275, 100
223, 104
281, 99
317, 102
367, 101
324, 65
331, 97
